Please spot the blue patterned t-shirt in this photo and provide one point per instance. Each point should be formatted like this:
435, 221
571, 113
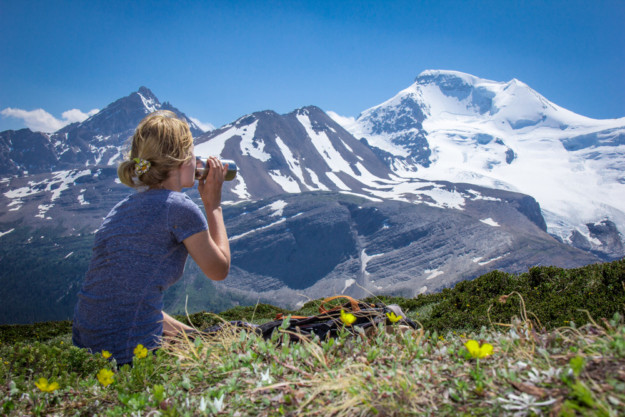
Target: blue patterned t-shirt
138, 253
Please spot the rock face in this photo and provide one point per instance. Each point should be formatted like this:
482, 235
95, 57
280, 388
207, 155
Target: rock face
26, 151
291, 248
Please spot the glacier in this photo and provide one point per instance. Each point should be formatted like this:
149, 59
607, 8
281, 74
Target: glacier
507, 136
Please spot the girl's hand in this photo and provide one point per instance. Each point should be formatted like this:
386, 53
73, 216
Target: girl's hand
210, 187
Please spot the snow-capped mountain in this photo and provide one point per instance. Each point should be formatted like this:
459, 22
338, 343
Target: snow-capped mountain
101, 139
457, 127
312, 212
308, 151
297, 152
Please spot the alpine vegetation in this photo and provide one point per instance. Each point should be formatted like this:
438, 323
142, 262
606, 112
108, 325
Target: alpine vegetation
500, 351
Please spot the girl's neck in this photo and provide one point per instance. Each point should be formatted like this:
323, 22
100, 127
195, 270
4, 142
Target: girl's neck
172, 183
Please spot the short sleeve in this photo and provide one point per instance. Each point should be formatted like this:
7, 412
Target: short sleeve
185, 217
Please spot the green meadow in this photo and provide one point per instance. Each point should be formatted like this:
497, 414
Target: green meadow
547, 342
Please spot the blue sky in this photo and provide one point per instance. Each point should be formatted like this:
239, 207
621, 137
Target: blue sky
218, 60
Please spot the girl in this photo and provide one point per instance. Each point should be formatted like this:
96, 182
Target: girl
142, 245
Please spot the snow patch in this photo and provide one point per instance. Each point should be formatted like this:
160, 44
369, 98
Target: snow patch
490, 222
249, 232
149, 104
315, 180
336, 180
432, 273
287, 183
254, 147
292, 162
377, 200
364, 261
324, 147
240, 189
444, 198
348, 283
277, 207
43, 209
482, 263
81, 198
17, 203
7, 232
216, 145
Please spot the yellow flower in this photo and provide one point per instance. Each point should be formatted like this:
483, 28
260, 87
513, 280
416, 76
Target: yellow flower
393, 317
106, 354
477, 351
105, 376
347, 318
44, 386
140, 352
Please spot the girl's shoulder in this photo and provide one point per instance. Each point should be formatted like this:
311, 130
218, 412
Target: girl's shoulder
179, 198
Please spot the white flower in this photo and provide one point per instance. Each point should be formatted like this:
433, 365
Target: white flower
534, 376
218, 403
538, 376
524, 404
202, 406
265, 377
552, 372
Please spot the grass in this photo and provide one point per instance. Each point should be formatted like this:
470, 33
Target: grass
541, 364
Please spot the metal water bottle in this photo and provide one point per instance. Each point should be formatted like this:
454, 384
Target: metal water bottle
201, 168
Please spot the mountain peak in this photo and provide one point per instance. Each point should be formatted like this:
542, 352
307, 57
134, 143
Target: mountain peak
150, 102
445, 76
144, 91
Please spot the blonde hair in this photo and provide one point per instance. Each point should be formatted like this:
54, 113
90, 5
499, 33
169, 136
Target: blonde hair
163, 140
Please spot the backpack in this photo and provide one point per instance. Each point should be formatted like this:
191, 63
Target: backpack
352, 316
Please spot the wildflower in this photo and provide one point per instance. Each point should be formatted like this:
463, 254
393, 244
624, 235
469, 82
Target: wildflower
202, 406
140, 351
44, 386
347, 318
524, 404
265, 377
393, 317
477, 351
105, 376
218, 403
106, 354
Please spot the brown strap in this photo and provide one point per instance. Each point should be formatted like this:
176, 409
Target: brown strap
353, 302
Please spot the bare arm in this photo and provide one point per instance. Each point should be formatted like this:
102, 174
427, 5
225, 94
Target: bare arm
210, 248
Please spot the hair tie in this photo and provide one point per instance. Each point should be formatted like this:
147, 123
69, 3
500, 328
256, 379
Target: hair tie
141, 166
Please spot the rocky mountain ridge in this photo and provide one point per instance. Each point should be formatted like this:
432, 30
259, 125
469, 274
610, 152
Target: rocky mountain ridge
313, 211
99, 140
